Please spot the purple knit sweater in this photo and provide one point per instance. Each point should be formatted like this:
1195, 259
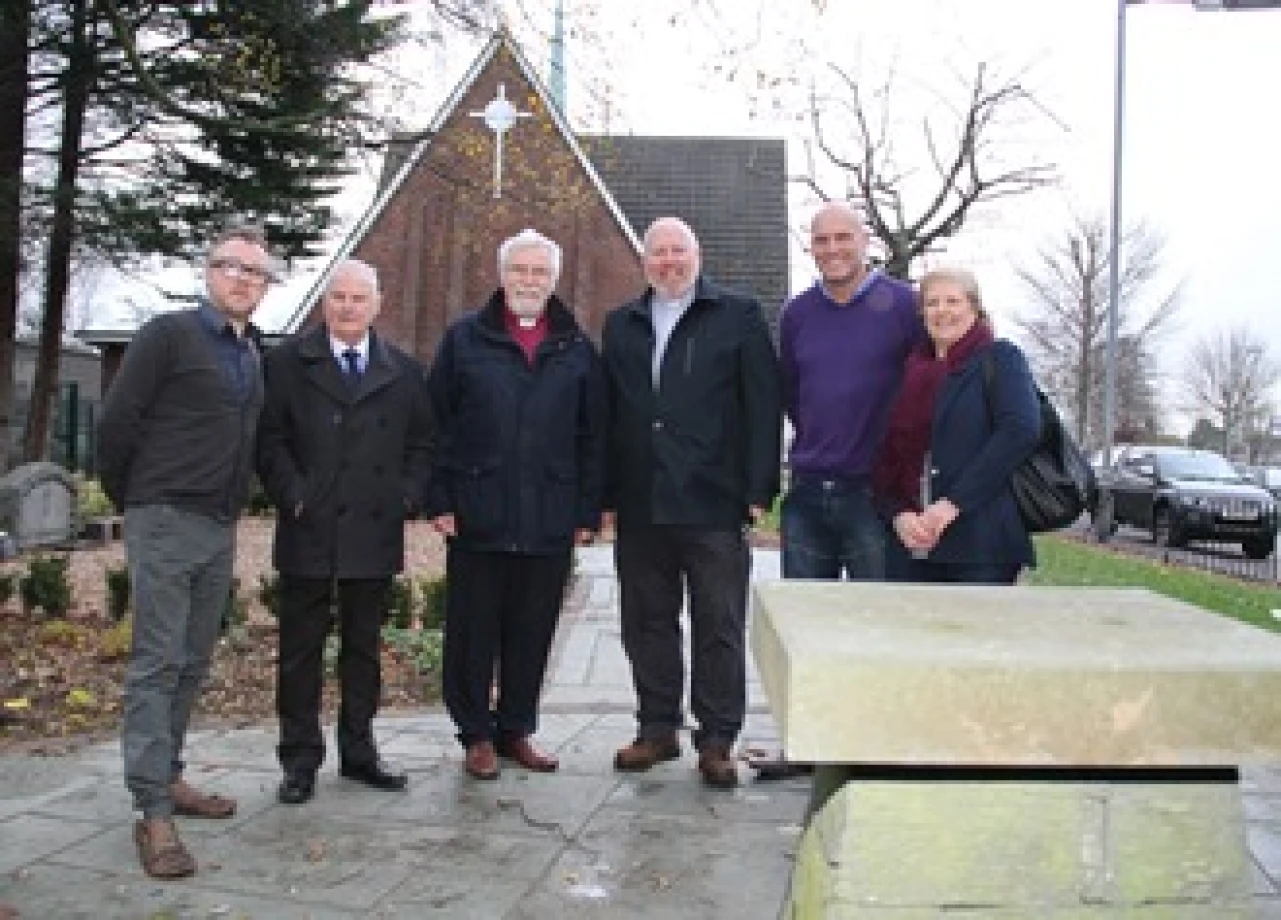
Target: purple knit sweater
842, 364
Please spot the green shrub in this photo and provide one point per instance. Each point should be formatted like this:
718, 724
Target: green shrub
236, 611
400, 603
61, 633
333, 648
6, 587
258, 504
421, 646
45, 585
118, 592
432, 607
117, 641
91, 500
269, 593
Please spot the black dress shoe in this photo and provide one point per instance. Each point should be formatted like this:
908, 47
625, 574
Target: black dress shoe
298, 787
376, 774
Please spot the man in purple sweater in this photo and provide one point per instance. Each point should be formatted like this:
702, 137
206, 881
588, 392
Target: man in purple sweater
842, 344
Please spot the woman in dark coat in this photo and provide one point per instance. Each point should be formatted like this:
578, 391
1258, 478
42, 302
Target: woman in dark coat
942, 476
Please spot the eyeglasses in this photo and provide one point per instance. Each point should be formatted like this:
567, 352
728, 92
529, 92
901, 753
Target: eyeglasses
234, 268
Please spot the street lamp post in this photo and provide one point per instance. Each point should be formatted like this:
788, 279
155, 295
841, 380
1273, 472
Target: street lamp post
1114, 247
1114, 244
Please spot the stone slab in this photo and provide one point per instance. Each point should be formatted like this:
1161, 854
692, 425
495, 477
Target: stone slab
977, 675
1024, 848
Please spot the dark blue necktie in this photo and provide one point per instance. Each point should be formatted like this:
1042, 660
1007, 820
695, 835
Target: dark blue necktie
352, 370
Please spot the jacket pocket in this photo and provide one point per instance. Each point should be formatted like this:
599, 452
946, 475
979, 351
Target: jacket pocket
481, 507
559, 502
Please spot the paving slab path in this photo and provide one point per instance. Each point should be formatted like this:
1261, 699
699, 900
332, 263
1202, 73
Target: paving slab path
582, 842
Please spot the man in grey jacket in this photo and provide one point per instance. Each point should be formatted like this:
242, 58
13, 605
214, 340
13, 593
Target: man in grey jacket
175, 454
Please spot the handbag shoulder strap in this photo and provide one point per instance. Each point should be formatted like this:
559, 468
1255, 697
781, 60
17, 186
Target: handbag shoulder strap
989, 374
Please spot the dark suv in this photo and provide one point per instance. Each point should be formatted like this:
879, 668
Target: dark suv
1182, 494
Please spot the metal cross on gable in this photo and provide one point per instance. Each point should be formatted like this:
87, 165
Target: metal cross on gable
499, 116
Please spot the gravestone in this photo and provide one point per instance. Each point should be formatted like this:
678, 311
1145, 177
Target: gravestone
38, 505
1017, 751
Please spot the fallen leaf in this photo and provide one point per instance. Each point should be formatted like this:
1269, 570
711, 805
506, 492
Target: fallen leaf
81, 699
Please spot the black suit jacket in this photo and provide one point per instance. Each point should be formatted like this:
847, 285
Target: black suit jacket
355, 458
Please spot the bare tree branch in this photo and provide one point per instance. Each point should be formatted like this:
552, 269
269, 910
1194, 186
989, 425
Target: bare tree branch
1228, 375
967, 172
1067, 318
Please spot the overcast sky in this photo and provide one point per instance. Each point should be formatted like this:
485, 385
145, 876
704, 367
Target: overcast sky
1200, 152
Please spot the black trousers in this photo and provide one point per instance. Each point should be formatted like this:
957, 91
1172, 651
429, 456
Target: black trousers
655, 566
500, 612
305, 623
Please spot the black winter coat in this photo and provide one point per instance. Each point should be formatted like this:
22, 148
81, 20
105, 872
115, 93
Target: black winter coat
357, 458
521, 447
704, 446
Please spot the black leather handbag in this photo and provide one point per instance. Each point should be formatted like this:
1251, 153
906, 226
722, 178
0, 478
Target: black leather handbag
1056, 483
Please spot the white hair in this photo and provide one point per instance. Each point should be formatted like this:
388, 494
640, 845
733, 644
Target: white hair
674, 223
527, 239
363, 270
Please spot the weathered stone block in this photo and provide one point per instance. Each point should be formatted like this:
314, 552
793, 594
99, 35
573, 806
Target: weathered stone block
1025, 849
959, 674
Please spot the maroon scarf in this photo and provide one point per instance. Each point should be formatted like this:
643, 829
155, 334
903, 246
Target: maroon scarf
896, 475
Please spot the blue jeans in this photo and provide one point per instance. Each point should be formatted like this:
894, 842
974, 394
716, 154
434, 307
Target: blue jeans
830, 529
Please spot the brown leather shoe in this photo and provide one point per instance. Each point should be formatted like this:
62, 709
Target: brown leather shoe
520, 750
481, 761
189, 802
160, 850
717, 768
644, 753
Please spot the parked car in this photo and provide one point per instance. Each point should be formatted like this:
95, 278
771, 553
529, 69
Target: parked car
1267, 476
1181, 494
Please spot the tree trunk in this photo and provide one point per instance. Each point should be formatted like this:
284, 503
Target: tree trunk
899, 265
79, 80
15, 26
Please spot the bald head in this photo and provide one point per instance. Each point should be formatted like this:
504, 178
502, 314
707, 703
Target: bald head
838, 244
671, 257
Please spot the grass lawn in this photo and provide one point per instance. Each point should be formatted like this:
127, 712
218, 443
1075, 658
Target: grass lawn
1066, 562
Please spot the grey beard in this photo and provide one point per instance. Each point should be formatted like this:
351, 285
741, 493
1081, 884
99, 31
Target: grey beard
525, 308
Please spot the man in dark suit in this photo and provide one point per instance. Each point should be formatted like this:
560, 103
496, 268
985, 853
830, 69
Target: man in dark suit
344, 453
519, 399
695, 425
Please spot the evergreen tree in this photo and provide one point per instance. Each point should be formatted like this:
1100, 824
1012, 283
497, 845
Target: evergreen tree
175, 117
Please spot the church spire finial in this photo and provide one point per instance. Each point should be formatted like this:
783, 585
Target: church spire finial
556, 81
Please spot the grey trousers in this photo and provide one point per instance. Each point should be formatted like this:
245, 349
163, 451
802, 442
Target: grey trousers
180, 572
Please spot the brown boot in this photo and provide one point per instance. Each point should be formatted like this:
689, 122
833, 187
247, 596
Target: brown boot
716, 766
160, 850
644, 753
